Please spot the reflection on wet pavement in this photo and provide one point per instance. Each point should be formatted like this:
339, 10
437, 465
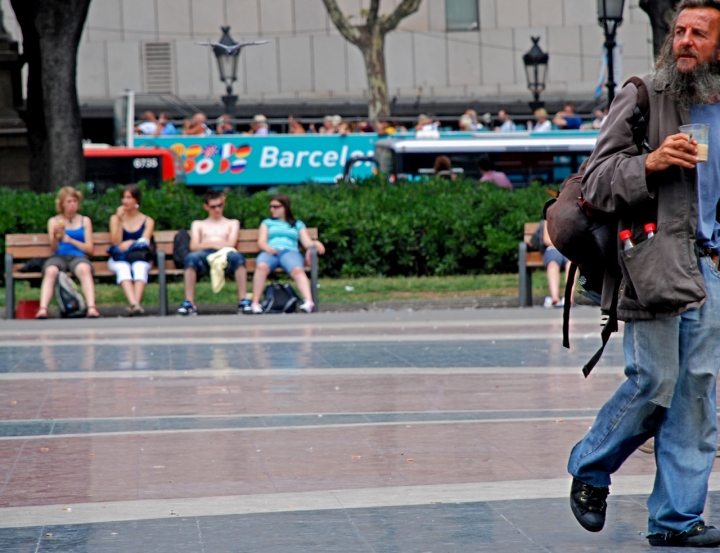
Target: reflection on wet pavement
431, 419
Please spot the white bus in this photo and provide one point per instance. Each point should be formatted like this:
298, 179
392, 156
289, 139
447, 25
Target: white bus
523, 157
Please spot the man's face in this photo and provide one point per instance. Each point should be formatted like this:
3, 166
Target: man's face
215, 208
695, 38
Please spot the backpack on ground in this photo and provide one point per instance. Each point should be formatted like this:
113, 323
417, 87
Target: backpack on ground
181, 248
280, 298
588, 236
68, 297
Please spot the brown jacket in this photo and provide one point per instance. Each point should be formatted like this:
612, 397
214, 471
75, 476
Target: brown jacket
660, 276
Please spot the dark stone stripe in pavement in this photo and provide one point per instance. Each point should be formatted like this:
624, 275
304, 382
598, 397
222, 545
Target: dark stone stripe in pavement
539, 525
150, 424
502, 353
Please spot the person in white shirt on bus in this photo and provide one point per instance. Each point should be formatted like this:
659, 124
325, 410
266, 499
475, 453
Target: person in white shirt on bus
543, 123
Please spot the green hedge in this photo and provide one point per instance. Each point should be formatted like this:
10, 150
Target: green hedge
434, 227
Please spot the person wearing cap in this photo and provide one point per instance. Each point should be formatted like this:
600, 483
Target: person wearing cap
224, 125
543, 124
475, 125
426, 124
466, 124
330, 124
259, 126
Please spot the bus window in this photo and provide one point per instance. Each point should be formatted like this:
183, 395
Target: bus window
386, 160
523, 159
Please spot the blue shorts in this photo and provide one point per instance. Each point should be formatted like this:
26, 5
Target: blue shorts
198, 261
552, 254
287, 259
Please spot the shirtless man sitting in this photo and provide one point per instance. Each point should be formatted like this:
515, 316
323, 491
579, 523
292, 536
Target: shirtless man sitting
207, 237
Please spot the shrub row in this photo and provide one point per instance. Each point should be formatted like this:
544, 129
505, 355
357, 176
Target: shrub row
434, 227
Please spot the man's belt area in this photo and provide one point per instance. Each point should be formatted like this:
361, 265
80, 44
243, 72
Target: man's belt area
709, 252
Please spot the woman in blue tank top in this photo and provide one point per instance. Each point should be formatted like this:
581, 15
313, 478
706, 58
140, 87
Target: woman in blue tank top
71, 240
130, 228
279, 238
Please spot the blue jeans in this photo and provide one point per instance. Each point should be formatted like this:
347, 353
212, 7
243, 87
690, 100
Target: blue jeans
671, 369
198, 261
287, 259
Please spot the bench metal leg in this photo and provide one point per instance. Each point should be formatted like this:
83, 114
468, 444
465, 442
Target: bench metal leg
314, 277
9, 287
524, 278
162, 283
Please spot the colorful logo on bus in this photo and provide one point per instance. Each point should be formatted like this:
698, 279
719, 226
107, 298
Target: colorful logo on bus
237, 166
193, 151
202, 160
243, 151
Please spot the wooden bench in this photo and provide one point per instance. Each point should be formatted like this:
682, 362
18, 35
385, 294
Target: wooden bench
27, 246
527, 261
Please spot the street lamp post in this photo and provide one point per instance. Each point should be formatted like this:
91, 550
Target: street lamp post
610, 17
227, 53
536, 62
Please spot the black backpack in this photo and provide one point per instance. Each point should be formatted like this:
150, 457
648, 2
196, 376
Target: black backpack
588, 236
280, 298
181, 248
70, 301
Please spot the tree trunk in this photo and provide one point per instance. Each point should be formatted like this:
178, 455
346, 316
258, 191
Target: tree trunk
660, 13
51, 34
373, 50
370, 39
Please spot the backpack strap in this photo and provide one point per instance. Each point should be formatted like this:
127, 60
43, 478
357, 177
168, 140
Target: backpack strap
641, 114
610, 326
569, 284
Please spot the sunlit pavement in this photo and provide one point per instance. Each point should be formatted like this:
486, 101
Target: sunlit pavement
425, 431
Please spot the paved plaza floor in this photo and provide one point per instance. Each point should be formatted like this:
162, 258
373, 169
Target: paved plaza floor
413, 431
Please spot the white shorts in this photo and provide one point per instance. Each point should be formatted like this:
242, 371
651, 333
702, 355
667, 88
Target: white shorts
124, 271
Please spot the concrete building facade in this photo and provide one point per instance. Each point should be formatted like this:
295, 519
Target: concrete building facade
150, 46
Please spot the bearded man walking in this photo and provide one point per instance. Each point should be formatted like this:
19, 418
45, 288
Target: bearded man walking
669, 294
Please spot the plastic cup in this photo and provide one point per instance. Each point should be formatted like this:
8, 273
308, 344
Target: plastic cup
701, 133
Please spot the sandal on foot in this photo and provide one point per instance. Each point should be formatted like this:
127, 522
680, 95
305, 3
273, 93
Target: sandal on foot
92, 312
42, 313
137, 309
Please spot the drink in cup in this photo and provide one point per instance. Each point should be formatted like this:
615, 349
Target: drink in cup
701, 133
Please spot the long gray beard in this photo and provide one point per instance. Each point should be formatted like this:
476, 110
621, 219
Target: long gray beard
699, 86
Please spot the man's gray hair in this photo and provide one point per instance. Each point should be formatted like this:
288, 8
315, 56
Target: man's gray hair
665, 55
699, 86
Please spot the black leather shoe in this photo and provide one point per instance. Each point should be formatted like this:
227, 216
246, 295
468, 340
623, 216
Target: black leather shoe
588, 505
698, 536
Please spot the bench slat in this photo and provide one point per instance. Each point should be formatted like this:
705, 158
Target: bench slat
534, 259
530, 229
101, 269
27, 246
